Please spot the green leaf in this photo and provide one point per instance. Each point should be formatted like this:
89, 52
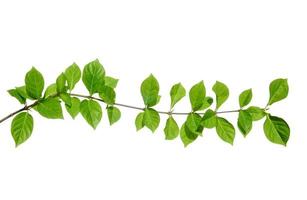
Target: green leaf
22, 127
221, 92
276, 130
19, 93
177, 93
73, 75
50, 108
51, 90
151, 119
93, 76
245, 97
209, 119
108, 95
245, 122
74, 109
187, 137
278, 90
60, 83
91, 112
207, 103
113, 114
256, 113
34, 83
193, 123
225, 130
150, 91
171, 129
197, 95
66, 99
139, 121
110, 81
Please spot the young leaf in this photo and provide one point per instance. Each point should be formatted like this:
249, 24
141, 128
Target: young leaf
18, 94
177, 93
74, 109
225, 130
113, 114
66, 99
197, 95
150, 91
256, 113
139, 121
91, 112
193, 123
207, 103
21, 127
108, 95
209, 119
51, 90
60, 83
187, 137
151, 119
50, 108
73, 75
276, 130
245, 122
93, 76
110, 82
278, 90
221, 92
34, 83
245, 97
171, 129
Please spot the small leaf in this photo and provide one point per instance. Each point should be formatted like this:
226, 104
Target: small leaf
187, 137
93, 76
209, 119
139, 121
19, 94
51, 90
245, 97
177, 93
74, 109
111, 82
150, 91
151, 119
22, 127
221, 92
66, 99
197, 95
108, 95
34, 83
278, 90
207, 103
50, 108
225, 130
91, 112
113, 114
245, 122
256, 113
73, 75
276, 130
193, 123
60, 83
171, 129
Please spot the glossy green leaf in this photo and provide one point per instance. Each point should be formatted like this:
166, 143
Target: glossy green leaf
225, 130
73, 75
209, 119
61, 83
66, 99
197, 95
19, 93
276, 130
150, 91
34, 83
186, 136
245, 122
108, 95
91, 112
207, 103
110, 82
245, 97
51, 90
221, 92
177, 93
193, 123
21, 127
171, 129
139, 121
151, 119
93, 76
113, 114
50, 108
255, 112
74, 109
278, 90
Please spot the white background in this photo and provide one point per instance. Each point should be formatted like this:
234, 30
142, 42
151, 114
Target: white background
244, 44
